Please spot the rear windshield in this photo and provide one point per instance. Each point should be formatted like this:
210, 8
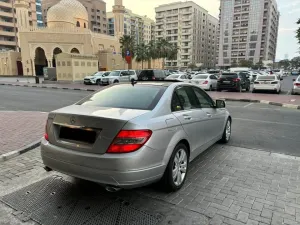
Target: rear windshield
200, 77
173, 76
266, 78
231, 75
144, 97
213, 71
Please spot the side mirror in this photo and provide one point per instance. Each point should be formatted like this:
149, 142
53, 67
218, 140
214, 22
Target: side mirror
220, 104
294, 79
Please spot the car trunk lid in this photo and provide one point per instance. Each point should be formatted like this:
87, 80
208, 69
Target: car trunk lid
88, 128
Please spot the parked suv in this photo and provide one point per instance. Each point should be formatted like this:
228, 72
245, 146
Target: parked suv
117, 76
96, 77
233, 81
152, 75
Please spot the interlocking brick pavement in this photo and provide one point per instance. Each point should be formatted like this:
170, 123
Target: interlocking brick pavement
20, 129
230, 185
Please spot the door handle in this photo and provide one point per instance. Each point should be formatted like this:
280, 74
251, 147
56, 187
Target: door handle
187, 117
208, 114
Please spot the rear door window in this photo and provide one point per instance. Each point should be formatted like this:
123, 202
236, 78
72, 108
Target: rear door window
187, 98
229, 75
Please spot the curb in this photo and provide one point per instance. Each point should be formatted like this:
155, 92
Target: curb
36, 86
12, 154
283, 105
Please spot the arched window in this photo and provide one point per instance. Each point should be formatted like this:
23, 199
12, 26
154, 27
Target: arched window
84, 25
77, 24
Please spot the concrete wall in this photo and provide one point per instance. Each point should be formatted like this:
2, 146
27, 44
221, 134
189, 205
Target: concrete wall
8, 63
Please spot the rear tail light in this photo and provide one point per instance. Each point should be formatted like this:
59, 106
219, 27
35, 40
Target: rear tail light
205, 82
297, 84
236, 79
129, 141
274, 82
153, 78
46, 136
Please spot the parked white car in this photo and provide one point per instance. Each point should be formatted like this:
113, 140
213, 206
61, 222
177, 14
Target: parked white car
96, 77
267, 83
296, 86
118, 76
278, 73
205, 81
179, 77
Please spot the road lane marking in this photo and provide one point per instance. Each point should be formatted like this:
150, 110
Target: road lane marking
270, 122
248, 105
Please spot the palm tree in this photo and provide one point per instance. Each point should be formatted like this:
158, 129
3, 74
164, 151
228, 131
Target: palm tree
142, 53
164, 49
127, 44
152, 52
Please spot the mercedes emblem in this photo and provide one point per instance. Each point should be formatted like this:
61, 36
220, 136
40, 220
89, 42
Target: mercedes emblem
72, 120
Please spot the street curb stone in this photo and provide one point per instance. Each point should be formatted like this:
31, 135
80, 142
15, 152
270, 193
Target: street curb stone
12, 154
290, 106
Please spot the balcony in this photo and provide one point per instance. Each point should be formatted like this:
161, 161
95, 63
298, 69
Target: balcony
8, 43
159, 16
5, 4
186, 18
186, 46
6, 33
7, 24
186, 12
6, 14
185, 60
186, 25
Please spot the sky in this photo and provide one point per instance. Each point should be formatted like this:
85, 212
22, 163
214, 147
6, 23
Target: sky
289, 10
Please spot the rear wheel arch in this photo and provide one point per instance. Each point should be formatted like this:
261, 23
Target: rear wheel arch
186, 143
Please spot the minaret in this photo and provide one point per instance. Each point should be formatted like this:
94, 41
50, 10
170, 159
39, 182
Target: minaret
119, 10
22, 9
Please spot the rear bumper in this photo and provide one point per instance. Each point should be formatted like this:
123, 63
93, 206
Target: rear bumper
296, 90
227, 87
265, 88
107, 169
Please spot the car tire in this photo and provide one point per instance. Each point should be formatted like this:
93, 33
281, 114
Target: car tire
248, 88
226, 133
98, 82
253, 91
169, 183
219, 90
116, 81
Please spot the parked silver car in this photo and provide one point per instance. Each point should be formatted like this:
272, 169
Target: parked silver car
130, 135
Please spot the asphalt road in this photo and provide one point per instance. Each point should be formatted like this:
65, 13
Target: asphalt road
255, 126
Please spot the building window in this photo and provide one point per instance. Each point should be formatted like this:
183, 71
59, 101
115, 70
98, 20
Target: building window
68, 63
77, 24
58, 63
252, 45
63, 63
252, 52
84, 25
82, 63
76, 63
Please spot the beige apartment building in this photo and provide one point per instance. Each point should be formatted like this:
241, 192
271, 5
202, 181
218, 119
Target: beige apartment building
96, 11
8, 23
248, 31
140, 27
192, 29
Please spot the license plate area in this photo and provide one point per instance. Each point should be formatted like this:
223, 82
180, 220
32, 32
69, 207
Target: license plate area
77, 135
226, 82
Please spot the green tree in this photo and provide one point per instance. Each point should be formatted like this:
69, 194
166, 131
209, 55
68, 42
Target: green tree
245, 63
298, 31
163, 48
128, 44
142, 53
152, 51
192, 66
295, 62
284, 63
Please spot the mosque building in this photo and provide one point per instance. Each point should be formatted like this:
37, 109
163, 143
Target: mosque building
67, 32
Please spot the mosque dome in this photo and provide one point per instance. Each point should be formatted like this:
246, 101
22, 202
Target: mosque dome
67, 13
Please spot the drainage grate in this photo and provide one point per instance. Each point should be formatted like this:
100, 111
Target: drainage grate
54, 201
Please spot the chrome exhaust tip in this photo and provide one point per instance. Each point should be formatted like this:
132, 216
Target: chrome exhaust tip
111, 188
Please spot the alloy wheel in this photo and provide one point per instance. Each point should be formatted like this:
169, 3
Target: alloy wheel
179, 167
228, 130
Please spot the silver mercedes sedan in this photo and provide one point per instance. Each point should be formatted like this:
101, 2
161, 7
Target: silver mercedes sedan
131, 135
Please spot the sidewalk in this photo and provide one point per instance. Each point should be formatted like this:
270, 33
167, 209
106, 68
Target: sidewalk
225, 186
20, 131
